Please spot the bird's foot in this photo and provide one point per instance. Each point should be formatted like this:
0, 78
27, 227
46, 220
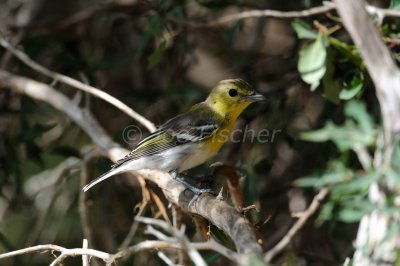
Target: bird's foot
196, 191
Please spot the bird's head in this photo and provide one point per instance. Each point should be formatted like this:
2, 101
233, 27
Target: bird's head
232, 96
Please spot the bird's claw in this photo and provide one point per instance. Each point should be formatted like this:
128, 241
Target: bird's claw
197, 192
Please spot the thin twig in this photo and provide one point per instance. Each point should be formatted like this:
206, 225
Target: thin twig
83, 197
85, 14
80, 252
110, 258
150, 230
363, 156
326, 7
314, 206
156, 244
68, 168
165, 258
85, 258
272, 14
77, 84
177, 223
39, 248
254, 14
179, 234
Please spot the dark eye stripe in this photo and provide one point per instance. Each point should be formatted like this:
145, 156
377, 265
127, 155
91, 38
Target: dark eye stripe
233, 92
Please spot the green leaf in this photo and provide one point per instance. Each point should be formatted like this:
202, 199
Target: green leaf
303, 30
320, 135
155, 26
350, 215
392, 178
358, 112
357, 186
394, 4
326, 213
155, 57
385, 29
355, 131
396, 156
312, 62
322, 181
352, 89
143, 42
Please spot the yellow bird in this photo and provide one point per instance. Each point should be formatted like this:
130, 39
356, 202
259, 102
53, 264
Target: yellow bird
191, 138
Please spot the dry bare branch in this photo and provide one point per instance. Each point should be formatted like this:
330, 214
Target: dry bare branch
177, 216
77, 84
85, 258
254, 14
179, 234
326, 7
83, 197
165, 258
111, 258
312, 209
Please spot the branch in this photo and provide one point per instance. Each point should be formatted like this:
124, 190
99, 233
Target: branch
380, 65
305, 216
272, 14
254, 14
179, 233
77, 84
39, 248
110, 258
179, 236
83, 197
371, 247
216, 211
85, 258
326, 7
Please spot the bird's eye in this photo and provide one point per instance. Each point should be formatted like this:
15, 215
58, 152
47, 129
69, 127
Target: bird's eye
233, 92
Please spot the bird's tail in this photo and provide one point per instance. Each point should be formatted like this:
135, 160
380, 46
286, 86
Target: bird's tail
131, 165
102, 178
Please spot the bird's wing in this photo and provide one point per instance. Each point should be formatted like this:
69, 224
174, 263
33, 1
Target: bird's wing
196, 125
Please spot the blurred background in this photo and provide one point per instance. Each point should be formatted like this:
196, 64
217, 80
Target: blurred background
150, 56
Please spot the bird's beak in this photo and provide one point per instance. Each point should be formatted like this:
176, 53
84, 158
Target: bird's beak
255, 97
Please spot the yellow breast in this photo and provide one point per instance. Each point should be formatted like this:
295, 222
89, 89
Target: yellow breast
220, 136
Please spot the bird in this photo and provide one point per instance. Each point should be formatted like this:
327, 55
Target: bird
191, 138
